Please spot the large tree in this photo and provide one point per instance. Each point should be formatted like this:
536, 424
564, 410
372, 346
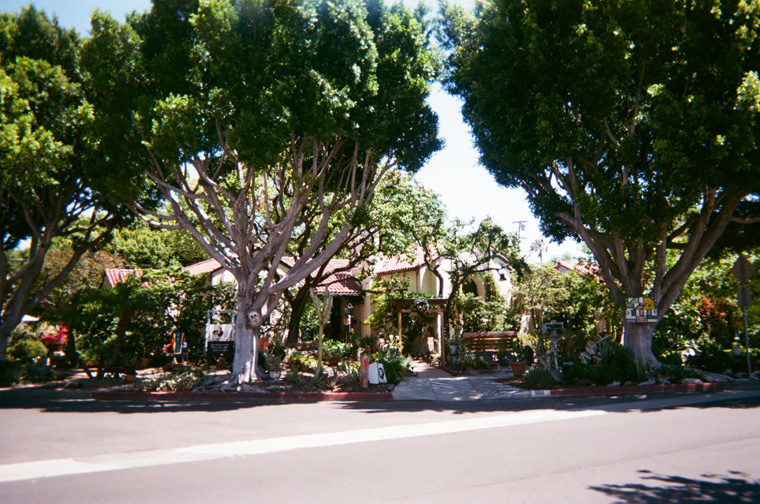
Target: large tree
631, 125
59, 178
262, 119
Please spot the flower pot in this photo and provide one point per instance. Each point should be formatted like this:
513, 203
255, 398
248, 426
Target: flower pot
518, 368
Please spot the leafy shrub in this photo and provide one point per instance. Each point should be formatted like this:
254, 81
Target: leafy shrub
538, 377
336, 349
36, 372
25, 348
618, 365
711, 357
396, 366
293, 378
474, 363
301, 361
174, 382
12, 373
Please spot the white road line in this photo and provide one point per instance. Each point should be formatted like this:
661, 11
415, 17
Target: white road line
151, 458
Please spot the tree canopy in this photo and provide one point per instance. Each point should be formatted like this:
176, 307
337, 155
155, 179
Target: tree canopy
60, 179
262, 119
631, 126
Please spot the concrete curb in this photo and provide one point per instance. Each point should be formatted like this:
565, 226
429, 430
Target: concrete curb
116, 395
687, 388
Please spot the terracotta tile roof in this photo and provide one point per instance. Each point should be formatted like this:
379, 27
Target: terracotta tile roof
583, 268
117, 275
339, 284
208, 266
402, 263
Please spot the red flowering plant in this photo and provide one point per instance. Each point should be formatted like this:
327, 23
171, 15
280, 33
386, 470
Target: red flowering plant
54, 337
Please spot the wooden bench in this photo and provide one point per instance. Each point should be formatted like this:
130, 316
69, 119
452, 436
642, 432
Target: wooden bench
486, 341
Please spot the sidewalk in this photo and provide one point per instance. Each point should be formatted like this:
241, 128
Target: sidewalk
433, 384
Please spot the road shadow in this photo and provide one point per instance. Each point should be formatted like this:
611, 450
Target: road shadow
613, 404
81, 402
63, 401
665, 489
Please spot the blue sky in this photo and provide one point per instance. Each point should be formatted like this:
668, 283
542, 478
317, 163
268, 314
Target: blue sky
466, 188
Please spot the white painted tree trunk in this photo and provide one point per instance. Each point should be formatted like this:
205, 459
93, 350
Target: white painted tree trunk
245, 360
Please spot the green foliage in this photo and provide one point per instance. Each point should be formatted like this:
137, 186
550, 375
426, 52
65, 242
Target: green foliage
711, 357
577, 300
618, 365
299, 361
539, 377
607, 114
520, 352
138, 317
25, 347
476, 363
143, 246
14, 373
384, 294
294, 378
336, 349
55, 156
396, 365
183, 381
704, 318
288, 112
478, 315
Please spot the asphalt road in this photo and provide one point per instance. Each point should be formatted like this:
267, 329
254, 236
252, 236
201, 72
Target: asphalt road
640, 450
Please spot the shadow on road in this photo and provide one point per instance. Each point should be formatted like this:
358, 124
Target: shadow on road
58, 402
79, 402
663, 489
615, 404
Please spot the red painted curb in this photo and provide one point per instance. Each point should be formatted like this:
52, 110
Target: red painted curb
642, 389
114, 395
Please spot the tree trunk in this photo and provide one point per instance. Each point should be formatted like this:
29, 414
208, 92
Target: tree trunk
638, 337
297, 309
246, 342
4, 336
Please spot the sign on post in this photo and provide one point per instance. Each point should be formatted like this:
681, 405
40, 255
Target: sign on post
744, 298
742, 269
219, 337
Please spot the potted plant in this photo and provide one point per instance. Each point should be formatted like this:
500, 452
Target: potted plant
522, 357
333, 351
273, 365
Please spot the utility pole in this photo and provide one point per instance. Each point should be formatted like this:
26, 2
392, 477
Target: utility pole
520, 226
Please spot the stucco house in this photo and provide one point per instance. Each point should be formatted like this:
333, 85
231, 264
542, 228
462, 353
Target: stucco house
341, 283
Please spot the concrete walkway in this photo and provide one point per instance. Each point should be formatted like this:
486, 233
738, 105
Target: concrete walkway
433, 384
